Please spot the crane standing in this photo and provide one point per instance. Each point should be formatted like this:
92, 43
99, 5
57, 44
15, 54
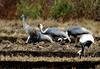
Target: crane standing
85, 41
28, 29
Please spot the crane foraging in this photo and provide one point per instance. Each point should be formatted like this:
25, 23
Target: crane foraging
85, 41
38, 36
33, 33
54, 32
75, 32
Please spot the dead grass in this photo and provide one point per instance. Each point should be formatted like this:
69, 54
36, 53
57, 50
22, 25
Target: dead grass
14, 27
47, 59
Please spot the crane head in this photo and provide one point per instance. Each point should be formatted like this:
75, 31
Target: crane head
23, 16
40, 26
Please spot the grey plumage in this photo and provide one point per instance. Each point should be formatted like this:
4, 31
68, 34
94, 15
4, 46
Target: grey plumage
38, 36
54, 32
85, 41
28, 29
33, 34
77, 30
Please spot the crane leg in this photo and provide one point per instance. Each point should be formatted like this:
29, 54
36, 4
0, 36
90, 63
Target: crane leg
27, 39
81, 52
76, 41
50, 39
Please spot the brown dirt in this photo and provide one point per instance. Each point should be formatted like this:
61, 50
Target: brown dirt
13, 37
18, 44
13, 47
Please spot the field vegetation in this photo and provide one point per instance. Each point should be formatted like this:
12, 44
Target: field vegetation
51, 13
60, 9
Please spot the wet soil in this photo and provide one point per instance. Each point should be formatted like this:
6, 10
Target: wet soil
15, 54
15, 45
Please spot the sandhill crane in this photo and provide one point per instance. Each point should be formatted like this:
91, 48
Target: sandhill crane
54, 32
85, 41
28, 29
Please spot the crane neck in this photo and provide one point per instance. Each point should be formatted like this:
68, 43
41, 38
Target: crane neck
67, 36
41, 29
24, 21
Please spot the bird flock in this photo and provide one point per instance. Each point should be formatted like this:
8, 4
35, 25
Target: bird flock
53, 34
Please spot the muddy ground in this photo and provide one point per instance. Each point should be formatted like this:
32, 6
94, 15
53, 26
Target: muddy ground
14, 53
13, 48
18, 44
13, 37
